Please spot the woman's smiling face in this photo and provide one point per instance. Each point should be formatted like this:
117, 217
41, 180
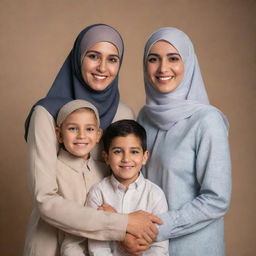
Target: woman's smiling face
100, 65
165, 68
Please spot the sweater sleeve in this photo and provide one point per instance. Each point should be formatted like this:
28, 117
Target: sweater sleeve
213, 176
73, 245
54, 209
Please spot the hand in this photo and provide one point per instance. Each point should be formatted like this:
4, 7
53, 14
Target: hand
141, 225
132, 245
107, 208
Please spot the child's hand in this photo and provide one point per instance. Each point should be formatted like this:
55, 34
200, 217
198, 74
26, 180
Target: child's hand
107, 208
132, 245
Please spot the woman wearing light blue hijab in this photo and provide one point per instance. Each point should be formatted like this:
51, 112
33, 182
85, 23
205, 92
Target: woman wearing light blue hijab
188, 141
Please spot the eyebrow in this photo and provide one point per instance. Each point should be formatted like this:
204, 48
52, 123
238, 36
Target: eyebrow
139, 148
93, 51
168, 54
77, 124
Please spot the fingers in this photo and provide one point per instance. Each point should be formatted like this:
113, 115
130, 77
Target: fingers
147, 238
150, 234
155, 219
133, 246
107, 208
140, 225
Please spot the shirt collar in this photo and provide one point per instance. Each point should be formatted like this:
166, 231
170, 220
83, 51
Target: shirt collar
76, 163
140, 181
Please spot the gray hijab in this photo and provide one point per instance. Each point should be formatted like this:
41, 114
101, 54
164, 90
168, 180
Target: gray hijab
165, 109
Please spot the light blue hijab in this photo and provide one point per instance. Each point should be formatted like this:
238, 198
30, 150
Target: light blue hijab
163, 110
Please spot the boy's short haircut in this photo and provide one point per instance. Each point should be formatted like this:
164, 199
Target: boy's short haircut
122, 128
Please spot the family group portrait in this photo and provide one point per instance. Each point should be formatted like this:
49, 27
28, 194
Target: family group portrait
128, 128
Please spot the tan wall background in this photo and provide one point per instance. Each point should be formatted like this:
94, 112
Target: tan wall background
36, 37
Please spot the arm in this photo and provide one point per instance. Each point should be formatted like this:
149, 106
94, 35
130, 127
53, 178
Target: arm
95, 199
158, 205
54, 209
95, 247
72, 245
213, 174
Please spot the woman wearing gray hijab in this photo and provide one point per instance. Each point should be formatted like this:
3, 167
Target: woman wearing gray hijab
188, 141
90, 72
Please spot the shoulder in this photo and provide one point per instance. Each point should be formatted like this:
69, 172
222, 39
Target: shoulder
41, 126
40, 110
101, 186
153, 188
124, 112
156, 198
42, 116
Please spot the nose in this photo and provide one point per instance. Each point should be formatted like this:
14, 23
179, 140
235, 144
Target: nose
163, 66
102, 66
125, 157
81, 134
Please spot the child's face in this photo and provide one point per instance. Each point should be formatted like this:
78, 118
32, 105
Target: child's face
126, 157
79, 133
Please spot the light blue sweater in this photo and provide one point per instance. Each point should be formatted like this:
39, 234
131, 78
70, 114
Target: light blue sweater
191, 163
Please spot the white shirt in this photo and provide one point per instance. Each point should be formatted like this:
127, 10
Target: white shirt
140, 195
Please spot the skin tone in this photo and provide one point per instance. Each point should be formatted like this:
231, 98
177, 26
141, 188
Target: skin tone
99, 68
100, 65
79, 133
126, 157
165, 68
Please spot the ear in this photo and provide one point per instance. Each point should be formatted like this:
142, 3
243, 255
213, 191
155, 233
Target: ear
58, 134
145, 157
105, 156
99, 134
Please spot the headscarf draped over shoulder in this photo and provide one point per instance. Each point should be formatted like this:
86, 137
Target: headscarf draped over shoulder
163, 110
70, 85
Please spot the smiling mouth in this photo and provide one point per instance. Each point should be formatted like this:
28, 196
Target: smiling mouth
164, 78
126, 167
99, 77
81, 144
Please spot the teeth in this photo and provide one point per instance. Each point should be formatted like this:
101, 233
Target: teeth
100, 77
165, 78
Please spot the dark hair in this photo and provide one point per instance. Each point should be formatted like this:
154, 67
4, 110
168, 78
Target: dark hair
122, 128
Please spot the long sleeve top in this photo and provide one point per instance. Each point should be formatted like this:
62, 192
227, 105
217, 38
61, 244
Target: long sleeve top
75, 176
48, 205
140, 195
191, 163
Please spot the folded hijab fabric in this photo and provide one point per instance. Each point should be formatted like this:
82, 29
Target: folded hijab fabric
69, 83
165, 109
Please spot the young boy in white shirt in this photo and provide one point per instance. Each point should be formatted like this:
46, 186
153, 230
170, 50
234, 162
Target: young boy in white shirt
126, 190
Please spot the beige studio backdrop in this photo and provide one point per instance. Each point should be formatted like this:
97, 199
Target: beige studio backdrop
36, 37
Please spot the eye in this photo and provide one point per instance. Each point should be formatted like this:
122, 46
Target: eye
174, 59
92, 56
135, 152
113, 59
116, 151
72, 129
152, 59
90, 129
